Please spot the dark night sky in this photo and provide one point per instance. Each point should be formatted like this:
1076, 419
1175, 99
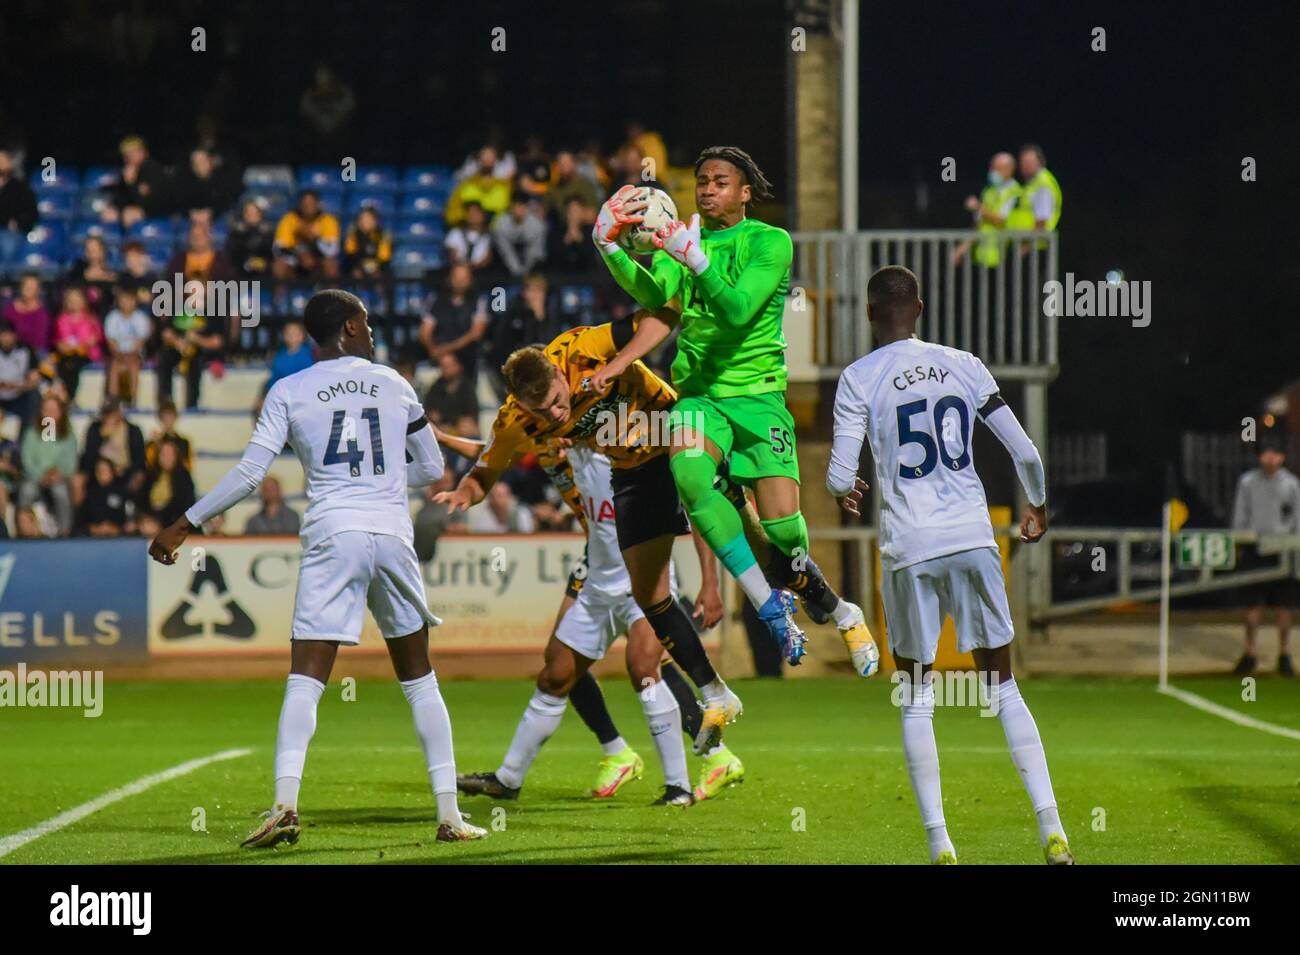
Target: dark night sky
1146, 138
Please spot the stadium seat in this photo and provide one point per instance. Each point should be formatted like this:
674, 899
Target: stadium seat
415, 260
427, 179
98, 177
153, 230
56, 206
319, 177
421, 203
333, 201
274, 203
279, 178
91, 204
423, 229
44, 252
576, 303
81, 230
381, 202
66, 181
220, 230
377, 178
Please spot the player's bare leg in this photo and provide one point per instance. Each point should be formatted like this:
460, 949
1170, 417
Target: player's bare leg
1246, 665
647, 565
311, 662
410, 657
561, 668
1026, 747
922, 755
662, 713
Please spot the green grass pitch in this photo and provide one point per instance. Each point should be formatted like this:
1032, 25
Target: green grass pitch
825, 784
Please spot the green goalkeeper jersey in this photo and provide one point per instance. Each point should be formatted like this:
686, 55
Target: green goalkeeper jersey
731, 340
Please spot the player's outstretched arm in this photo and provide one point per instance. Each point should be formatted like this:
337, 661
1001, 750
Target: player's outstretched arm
650, 289
240, 481
736, 303
850, 430
465, 447
635, 339
424, 463
1002, 421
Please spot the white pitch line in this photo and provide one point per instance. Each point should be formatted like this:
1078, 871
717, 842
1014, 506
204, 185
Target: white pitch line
1201, 703
64, 819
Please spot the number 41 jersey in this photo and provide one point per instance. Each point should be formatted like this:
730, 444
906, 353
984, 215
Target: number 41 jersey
347, 420
916, 403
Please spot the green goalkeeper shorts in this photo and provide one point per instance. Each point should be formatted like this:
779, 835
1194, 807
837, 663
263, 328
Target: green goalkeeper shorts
754, 432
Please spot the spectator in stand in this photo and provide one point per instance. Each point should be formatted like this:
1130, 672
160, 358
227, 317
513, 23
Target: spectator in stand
534, 177
527, 321
503, 514
11, 461
17, 208
368, 248
456, 320
49, 456
141, 186
204, 187
1267, 502
648, 145
275, 517
26, 524
146, 525
114, 437
487, 185
126, 330
20, 377
29, 316
138, 273
192, 342
307, 241
326, 107
250, 247
78, 340
292, 357
591, 168
169, 488
570, 248
451, 402
569, 185
470, 243
502, 165
167, 416
104, 507
94, 273
520, 237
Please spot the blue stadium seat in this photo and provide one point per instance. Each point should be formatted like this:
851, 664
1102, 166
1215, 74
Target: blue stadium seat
56, 206
421, 203
414, 260
319, 177
577, 303
220, 230
381, 202
333, 201
66, 180
278, 178
377, 178
91, 203
44, 251
424, 229
154, 231
98, 177
274, 204
427, 179
110, 232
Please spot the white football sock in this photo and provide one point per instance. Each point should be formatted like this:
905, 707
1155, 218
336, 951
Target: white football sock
754, 583
845, 614
1027, 753
922, 757
614, 746
665, 719
297, 724
714, 690
541, 718
433, 726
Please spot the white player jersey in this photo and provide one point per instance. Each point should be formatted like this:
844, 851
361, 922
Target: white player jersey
606, 571
916, 402
347, 420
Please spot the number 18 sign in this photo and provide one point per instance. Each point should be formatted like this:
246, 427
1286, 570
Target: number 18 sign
1212, 549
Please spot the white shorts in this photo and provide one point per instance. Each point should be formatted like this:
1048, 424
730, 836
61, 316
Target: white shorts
595, 621
967, 586
351, 570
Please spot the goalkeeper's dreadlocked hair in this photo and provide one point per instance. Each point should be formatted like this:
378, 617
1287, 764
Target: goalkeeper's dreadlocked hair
758, 183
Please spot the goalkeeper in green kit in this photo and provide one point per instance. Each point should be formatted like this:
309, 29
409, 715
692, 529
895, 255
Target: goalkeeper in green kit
729, 280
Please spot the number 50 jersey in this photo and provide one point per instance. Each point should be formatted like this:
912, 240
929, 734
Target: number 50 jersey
916, 402
347, 420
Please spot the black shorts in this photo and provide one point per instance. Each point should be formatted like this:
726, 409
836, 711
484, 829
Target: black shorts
646, 505
1271, 593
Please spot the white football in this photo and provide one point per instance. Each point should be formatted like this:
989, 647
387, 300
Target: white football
660, 211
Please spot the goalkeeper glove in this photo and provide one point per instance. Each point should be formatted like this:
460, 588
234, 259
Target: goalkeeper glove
618, 211
682, 242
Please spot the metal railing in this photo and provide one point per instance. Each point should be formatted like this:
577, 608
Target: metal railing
995, 312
